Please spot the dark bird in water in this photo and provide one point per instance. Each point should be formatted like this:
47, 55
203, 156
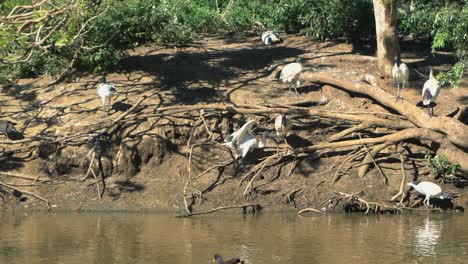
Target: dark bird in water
219, 260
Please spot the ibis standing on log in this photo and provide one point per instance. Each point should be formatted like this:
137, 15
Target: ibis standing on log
269, 37
430, 190
430, 92
105, 91
243, 140
400, 73
290, 74
282, 126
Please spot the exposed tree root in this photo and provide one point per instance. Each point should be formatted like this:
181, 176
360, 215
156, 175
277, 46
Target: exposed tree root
254, 207
376, 207
402, 184
27, 193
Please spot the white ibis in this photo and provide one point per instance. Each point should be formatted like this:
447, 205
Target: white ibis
219, 260
430, 190
105, 91
243, 140
290, 73
430, 91
400, 73
269, 37
282, 126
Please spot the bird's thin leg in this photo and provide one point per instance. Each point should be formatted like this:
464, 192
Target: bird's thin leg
424, 202
289, 87
295, 89
432, 110
103, 106
402, 88
398, 90
108, 105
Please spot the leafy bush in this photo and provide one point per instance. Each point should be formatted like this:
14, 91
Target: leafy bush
445, 24
340, 18
440, 165
418, 24
451, 27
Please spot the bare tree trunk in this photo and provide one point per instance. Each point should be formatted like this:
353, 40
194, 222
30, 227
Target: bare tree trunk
388, 46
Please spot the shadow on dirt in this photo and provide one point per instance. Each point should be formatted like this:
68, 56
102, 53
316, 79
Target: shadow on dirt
193, 75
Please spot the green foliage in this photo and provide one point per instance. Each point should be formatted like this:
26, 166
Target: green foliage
340, 18
454, 75
440, 165
418, 24
445, 23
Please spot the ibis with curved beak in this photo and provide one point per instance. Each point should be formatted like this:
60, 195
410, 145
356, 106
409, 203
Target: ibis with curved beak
430, 91
105, 91
290, 74
430, 190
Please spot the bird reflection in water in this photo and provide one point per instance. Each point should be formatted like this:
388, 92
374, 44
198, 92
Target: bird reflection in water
427, 237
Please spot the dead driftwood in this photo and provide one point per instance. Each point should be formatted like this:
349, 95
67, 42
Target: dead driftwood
244, 207
27, 193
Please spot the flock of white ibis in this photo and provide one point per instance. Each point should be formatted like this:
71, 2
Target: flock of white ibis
244, 140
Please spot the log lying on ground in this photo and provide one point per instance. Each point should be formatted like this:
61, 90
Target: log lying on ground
456, 131
453, 135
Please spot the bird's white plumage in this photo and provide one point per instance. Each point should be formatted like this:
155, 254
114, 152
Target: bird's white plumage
433, 86
427, 189
269, 37
401, 75
282, 125
105, 91
290, 74
243, 140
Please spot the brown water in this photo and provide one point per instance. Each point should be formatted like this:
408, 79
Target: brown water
266, 238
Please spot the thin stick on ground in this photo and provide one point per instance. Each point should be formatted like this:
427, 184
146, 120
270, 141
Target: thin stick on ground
27, 193
90, 167
293, 165
346, 158
385, 179
97, 184
249, 186
22, 177
402, 184
219, 209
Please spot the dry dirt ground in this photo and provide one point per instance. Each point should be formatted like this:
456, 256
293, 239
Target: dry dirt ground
144, 158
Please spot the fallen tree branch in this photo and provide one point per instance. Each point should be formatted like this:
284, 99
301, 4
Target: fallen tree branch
305, 210
255, 207
385, 179
456, 131
403, 180
27, 193
367, 160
